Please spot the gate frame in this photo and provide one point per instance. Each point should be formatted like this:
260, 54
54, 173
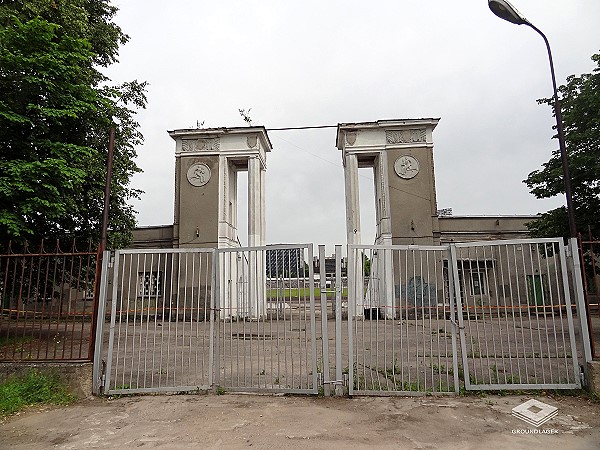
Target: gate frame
352, 301
104, 383
568, 306
573, 296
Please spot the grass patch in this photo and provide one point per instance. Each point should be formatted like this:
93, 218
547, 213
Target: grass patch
33, 388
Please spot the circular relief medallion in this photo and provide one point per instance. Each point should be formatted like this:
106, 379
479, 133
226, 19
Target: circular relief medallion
407, 167
198, 174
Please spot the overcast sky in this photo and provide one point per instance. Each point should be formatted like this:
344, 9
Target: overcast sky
302, 63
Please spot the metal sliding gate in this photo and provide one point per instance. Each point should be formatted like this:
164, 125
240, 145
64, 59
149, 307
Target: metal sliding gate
385, 320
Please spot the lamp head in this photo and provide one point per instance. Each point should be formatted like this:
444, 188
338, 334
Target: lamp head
506, 11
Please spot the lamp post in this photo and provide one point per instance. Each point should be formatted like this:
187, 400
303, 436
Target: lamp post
506, 11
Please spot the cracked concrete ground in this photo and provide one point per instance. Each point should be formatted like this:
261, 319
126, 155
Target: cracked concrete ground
238, 421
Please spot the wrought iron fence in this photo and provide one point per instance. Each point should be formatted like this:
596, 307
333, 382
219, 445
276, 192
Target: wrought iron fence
47, 303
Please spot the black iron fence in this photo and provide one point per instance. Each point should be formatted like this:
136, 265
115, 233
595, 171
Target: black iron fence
47, 303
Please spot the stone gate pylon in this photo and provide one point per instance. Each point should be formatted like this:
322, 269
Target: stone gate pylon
401, 155
207, 163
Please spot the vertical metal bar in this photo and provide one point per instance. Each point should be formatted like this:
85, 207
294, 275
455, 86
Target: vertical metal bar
206, 367
306, 313
149, 299
339, 390
113, 315
184, 317
124, 304
100, 319
544, 313
280, 300
139, 294
213, 349
563, 265
518, 292
537, 318
172, 293
455, 305
313, 326
195, 337
162, 317
453, 264
422, 385
352, 278
92, 336
158, 289
484, 290
59, 315
324, 331
498, 312
580, 302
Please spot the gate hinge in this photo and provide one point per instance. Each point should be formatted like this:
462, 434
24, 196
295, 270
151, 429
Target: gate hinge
582, 378
102, 379
568, 252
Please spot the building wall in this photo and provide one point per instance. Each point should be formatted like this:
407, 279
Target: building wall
160, 236
482, 228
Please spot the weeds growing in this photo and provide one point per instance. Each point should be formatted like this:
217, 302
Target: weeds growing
33, 388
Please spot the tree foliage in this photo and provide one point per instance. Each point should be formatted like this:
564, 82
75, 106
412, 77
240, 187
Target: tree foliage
580, 99
56, 109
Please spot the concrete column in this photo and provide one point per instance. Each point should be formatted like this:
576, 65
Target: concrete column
352, 199
355, 270
263, 228
263, 240
385, 269
254, 202
255, 270
223, 202
384, 195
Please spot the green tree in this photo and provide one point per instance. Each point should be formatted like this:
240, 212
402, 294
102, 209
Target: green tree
580, 99
55, 112
366, 265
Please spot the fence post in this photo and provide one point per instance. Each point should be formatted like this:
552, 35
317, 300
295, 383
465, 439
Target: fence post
580, 302
324, 331
456, 304
214, 377
339, 388
97, 372
352, 299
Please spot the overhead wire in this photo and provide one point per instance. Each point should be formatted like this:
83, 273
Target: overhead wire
331, 162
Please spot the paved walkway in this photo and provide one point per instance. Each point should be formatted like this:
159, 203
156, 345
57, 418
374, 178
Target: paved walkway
275, 422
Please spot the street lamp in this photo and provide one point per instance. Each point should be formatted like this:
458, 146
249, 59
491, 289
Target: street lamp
508, 12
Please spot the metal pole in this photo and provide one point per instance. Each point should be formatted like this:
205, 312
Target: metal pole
561, 140
109, 164
100, 262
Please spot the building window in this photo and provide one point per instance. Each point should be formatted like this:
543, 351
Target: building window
477, 282
150, 284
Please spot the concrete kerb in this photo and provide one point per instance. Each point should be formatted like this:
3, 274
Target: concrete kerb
75, 376
593, 382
